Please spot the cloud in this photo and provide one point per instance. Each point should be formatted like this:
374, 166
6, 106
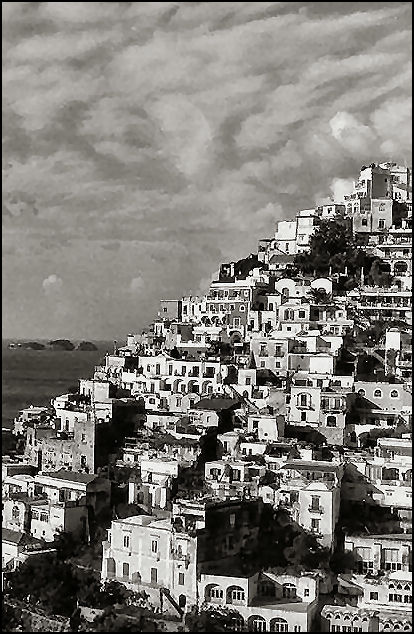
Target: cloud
181, 132
341, 187
351, 133
137, 285
52, 285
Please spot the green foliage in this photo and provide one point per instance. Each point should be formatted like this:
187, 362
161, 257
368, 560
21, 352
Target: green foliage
362, 518
342, 562
332, 247
112, 621
47, 582
284, 544
211, 620
320, 296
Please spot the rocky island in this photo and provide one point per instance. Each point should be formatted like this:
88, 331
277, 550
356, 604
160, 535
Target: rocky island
61, 344
86, 346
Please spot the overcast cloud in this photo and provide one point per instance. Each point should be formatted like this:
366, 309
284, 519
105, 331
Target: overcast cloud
145, 143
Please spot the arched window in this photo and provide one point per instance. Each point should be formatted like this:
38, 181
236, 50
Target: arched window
216, 593
278, 625
304, 400
15, 513
377, 394
394, 394
257, 624
125, 570
235, 594
361, 392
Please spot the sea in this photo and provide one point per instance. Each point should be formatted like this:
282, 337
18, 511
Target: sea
34, 377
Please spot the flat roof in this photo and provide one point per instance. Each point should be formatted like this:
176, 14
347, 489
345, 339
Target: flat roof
13, 537
70, 476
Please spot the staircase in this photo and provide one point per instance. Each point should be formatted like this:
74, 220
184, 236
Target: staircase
164, 592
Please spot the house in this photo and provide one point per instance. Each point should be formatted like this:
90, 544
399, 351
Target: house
154, 555
16, 547
153, 486
310, 491
380, 553
372, 604
264, 601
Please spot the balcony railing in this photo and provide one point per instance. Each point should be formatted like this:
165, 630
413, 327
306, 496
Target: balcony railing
315, 509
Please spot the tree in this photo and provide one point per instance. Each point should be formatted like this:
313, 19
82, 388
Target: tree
342, 562
320, 296
44, 581
112, 621
332, 248
212, 619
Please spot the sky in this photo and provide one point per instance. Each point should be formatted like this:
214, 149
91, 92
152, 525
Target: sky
145, 143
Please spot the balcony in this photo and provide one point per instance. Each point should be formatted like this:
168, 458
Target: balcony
315, 509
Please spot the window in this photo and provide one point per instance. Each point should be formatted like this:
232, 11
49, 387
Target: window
303, 416
258, 624
364, 222
242, 308
377, 394
381, 223
306, 592
216, 593
289, 591
125, 570
44, 517
394, 394
331, 421
154, 546
315, 505
396, 598
279, 625
15, 513
237, 594
232, 519
126, 541
373, 596
83, 437
315, 525
154, 575
302, 314
180, 578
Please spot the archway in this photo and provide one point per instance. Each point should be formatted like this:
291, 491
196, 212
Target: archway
278, 625
257, 623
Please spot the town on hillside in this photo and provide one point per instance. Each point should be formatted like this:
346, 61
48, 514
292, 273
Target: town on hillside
244, 464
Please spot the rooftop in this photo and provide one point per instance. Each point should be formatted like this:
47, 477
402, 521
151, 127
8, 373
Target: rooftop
217, 403
70, 476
